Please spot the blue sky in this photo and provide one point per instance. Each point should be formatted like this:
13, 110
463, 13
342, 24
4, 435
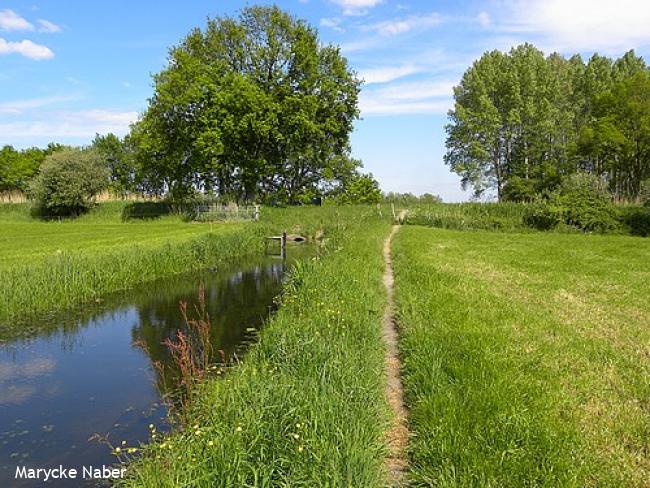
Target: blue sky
69, 69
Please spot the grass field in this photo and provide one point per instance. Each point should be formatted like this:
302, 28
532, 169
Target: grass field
526, 357
306, 407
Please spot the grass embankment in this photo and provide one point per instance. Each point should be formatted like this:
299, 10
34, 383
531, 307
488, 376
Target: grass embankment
307, 406
526, 357
47, 266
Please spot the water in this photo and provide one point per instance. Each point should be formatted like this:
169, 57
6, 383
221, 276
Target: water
88, 375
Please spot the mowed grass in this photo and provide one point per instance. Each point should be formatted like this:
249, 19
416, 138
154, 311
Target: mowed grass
526, 357
306, 407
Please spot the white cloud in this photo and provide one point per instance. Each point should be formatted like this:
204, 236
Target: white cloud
81, 124
26, 48
371, 106
417, 90
418, 97
47, 26
20, 106
483, 18
11, 21
581, 24
356, 7
333, 23
400, 26
387, 73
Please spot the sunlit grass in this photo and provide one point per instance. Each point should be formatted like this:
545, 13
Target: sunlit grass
526, 357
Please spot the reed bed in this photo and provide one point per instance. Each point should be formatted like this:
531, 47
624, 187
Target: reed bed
470, 216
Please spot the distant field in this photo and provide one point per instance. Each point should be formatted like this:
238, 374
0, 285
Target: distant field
26, 242
526, 357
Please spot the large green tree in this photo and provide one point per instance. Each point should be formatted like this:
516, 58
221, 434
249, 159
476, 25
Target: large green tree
523, 122
249, 107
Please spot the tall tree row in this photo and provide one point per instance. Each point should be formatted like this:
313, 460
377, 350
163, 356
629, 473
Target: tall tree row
523, 121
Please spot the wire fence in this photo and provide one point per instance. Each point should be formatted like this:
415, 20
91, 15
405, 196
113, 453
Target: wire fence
212, 212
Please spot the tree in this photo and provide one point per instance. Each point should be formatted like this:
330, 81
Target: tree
363, 188
68, 181
622, 125
522, 123
248, 107
118, 159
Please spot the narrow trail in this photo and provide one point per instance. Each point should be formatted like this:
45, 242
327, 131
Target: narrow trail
396, 462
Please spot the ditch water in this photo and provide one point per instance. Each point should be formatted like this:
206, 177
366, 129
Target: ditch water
88, 374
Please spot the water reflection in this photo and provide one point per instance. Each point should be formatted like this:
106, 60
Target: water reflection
86, 376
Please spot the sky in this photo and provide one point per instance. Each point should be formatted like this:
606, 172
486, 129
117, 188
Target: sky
71, 69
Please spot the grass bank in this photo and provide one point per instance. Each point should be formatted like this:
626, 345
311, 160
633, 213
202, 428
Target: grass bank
526, 357
306, 407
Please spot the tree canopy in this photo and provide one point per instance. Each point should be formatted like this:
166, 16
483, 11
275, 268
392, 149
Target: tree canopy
17, 168
523, 121
253, 106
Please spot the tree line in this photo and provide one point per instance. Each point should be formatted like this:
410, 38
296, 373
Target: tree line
523, 122
252, 107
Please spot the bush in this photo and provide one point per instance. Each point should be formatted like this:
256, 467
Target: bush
582, 202
637, 220
544, 216
68, 182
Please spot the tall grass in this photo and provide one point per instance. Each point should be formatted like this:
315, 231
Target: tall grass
470, 216
525, 358
306, 407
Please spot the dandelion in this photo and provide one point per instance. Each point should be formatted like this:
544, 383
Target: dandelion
210, 443
298, 426
131, 450
296, 436
117, 450
239, 429
300, 449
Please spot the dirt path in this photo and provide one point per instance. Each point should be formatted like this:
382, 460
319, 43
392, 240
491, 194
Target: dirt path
398, 434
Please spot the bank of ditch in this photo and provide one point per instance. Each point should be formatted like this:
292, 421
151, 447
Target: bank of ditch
307, 407
48, 267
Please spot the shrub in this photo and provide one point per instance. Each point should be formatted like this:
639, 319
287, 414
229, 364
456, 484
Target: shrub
582, 202
68, 182
637, 220
587, 203
544, 215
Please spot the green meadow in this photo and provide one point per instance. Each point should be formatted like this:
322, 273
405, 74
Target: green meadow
525, 357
